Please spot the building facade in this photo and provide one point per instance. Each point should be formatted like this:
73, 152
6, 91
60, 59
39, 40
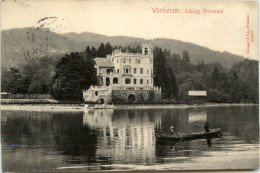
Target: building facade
124, 77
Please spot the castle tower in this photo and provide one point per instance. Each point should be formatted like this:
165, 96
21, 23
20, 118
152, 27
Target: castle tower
147, 49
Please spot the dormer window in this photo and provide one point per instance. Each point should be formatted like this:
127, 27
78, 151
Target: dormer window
147, 49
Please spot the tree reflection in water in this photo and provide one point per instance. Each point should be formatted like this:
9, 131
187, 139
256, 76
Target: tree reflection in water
209, 142
76, 140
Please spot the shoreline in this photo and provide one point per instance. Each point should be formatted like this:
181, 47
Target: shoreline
80, 107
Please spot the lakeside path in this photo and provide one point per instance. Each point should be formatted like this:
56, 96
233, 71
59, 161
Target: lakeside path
80, 107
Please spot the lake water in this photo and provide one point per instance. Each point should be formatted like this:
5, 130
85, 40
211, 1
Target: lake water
124, 140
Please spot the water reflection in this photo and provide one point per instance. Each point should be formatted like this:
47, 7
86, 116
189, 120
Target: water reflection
125, 136
119, 139
73, 138
209, 142
241, 122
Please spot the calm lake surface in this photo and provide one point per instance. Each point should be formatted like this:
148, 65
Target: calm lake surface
124, 140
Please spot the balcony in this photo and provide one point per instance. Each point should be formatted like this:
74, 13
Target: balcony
136, 88
109, 74
127, 75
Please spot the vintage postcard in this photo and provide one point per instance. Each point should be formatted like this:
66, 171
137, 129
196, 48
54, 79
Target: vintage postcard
129, 85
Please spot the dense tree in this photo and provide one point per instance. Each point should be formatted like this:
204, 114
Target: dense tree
171, 87
41, 80
71, 70
30, 68
164, 75
245, 74
35, 88
136, 49
108, 48
93, 53
185, 64
159, 66
45, 62
101, 52
4, 72
37, 72
90, 53
11, 81
185, 56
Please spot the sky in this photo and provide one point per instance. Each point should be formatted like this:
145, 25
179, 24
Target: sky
235, 30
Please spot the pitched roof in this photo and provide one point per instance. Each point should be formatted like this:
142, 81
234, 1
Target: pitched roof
104, 62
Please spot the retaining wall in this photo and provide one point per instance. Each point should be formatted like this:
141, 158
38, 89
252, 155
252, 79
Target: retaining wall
121, 96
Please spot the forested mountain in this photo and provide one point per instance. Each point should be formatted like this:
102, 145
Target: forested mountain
65, 78
38, 59
23, 44
197, 53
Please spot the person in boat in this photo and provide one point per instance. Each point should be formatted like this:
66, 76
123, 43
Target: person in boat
172, 132
207, 126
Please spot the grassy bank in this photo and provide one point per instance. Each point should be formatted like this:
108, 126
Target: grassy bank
35, 102
135, 104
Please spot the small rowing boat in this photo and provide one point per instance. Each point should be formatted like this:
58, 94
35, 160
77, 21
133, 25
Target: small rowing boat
214, 133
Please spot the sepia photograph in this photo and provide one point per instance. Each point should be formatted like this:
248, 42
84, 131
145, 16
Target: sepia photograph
129, 85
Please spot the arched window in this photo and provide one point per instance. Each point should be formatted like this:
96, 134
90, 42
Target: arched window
131, 98
115, 80
127, 81
145, 51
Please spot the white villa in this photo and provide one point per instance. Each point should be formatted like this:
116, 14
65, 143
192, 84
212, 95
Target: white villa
123, 77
